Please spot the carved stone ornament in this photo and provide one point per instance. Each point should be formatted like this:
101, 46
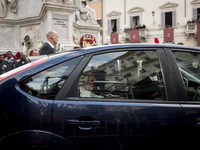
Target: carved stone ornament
168, 5
87, 14
4, 4
196, 3
114, 14
60, 1
135, 10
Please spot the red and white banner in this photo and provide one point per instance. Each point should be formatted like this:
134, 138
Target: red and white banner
134, 36
198, 33
169, 35
114, 38
88, 40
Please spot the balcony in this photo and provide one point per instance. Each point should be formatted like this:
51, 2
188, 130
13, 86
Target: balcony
191, 29
142, 34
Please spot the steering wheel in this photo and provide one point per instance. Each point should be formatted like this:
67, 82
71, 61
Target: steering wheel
197, 93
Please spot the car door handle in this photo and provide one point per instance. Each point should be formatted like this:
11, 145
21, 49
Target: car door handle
83, 123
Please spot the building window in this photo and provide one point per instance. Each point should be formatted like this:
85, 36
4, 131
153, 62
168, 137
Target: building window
168, 19
134, 21
168, 15
113, 26
113, 23
135, 14
99, 21
196, 14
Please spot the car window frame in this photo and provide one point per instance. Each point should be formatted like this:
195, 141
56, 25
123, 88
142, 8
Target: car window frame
181, 93
44, 69
69, 89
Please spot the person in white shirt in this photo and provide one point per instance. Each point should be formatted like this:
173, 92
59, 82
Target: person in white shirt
48, 47
86, 89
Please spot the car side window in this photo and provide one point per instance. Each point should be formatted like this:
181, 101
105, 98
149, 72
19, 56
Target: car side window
46, 84
189, 66
123, 75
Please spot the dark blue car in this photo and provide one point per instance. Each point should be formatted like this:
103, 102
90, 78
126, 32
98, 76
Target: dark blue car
118, 97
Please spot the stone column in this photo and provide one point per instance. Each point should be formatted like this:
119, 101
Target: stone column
59, 17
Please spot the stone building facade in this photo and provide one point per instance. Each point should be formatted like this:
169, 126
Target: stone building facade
19, 18
156, 15
33, 18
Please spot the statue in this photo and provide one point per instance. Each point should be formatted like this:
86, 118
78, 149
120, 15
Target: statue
87, 14
4, 4
60, 1
3, 8
7, 3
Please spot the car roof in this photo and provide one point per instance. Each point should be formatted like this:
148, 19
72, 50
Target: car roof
34, 58
123, 46
82, 51
142, 45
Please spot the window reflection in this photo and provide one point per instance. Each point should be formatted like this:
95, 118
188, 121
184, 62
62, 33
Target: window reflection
124, 75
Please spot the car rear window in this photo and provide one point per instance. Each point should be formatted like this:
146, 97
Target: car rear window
46, 84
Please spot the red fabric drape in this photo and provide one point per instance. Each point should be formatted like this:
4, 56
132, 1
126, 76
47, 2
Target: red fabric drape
134, 36
169, 34
17, 56
198, 33
114, 38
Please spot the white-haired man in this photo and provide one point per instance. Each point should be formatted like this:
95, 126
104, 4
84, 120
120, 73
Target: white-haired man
48, 47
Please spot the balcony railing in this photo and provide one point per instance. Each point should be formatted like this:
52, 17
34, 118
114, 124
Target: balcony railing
127, 34
191, 29
142, 34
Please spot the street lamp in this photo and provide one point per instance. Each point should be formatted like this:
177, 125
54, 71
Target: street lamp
153, 13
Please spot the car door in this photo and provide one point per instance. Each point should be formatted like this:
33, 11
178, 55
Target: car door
119, 100
187, 68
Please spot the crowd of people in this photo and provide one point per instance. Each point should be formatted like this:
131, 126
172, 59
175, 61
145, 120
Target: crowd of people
135, 27
8, 61
192, 21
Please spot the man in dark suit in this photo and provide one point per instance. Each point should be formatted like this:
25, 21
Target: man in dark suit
23, 60
48, 47
9, 62
1, 64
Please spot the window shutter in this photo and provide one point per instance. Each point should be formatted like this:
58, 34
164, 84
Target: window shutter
174, 19
194, 13
163, 20
131, 21
109, 26
139, 20
118, 26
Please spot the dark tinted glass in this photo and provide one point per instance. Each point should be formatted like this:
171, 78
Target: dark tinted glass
47, 83
123, 75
